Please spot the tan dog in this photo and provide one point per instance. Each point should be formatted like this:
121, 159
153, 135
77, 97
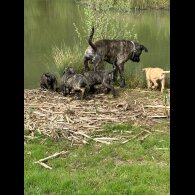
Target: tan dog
153, 75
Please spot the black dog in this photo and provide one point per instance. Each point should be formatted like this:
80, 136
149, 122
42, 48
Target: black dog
115, 52
101, 77
48, 81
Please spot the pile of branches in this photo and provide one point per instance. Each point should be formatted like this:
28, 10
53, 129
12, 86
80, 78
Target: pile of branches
53, 115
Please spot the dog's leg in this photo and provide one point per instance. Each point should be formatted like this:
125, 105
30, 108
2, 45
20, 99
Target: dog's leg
92, 89
115, 73
121, 72
109, 87
155, 84
162, 85
86, 63
148, 83
96, 61
54, 86
64, 90
83, 93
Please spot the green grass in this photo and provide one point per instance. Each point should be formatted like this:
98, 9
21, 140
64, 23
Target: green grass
134, 168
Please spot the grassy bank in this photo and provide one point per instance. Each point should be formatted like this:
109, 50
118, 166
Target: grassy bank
137, 167
115, 146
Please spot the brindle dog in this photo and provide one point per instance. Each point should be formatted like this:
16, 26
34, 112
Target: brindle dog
115, 52
72, 81
101, 77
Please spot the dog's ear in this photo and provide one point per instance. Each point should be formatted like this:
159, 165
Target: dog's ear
71, 71
65, 69
142, 47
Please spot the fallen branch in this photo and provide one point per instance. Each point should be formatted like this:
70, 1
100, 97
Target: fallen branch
44, 165
52, 156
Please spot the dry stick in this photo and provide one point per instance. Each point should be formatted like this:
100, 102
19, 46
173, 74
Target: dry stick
157, 116
101, 141
159, 131
157, 106
29, 137
143, 138
44, 165
80, 133
106, 138
133, 137
67, 119
143, 109
148, 131
162, 148
135, 115
52, 156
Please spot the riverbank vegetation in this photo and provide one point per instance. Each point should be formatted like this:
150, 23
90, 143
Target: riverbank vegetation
107, 25
133, 4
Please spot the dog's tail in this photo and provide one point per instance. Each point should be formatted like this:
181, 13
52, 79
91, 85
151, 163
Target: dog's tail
166, 71
90, 39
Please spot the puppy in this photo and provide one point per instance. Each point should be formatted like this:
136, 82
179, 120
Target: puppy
101, 77
48, 81
72, 81
115, 52
153, 75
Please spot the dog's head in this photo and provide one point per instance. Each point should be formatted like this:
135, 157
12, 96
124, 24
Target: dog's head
137, 51
49, 78
69, 70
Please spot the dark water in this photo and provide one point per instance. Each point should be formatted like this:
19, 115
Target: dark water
49, 23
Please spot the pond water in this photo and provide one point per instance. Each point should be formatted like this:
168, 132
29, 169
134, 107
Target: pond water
49, 23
